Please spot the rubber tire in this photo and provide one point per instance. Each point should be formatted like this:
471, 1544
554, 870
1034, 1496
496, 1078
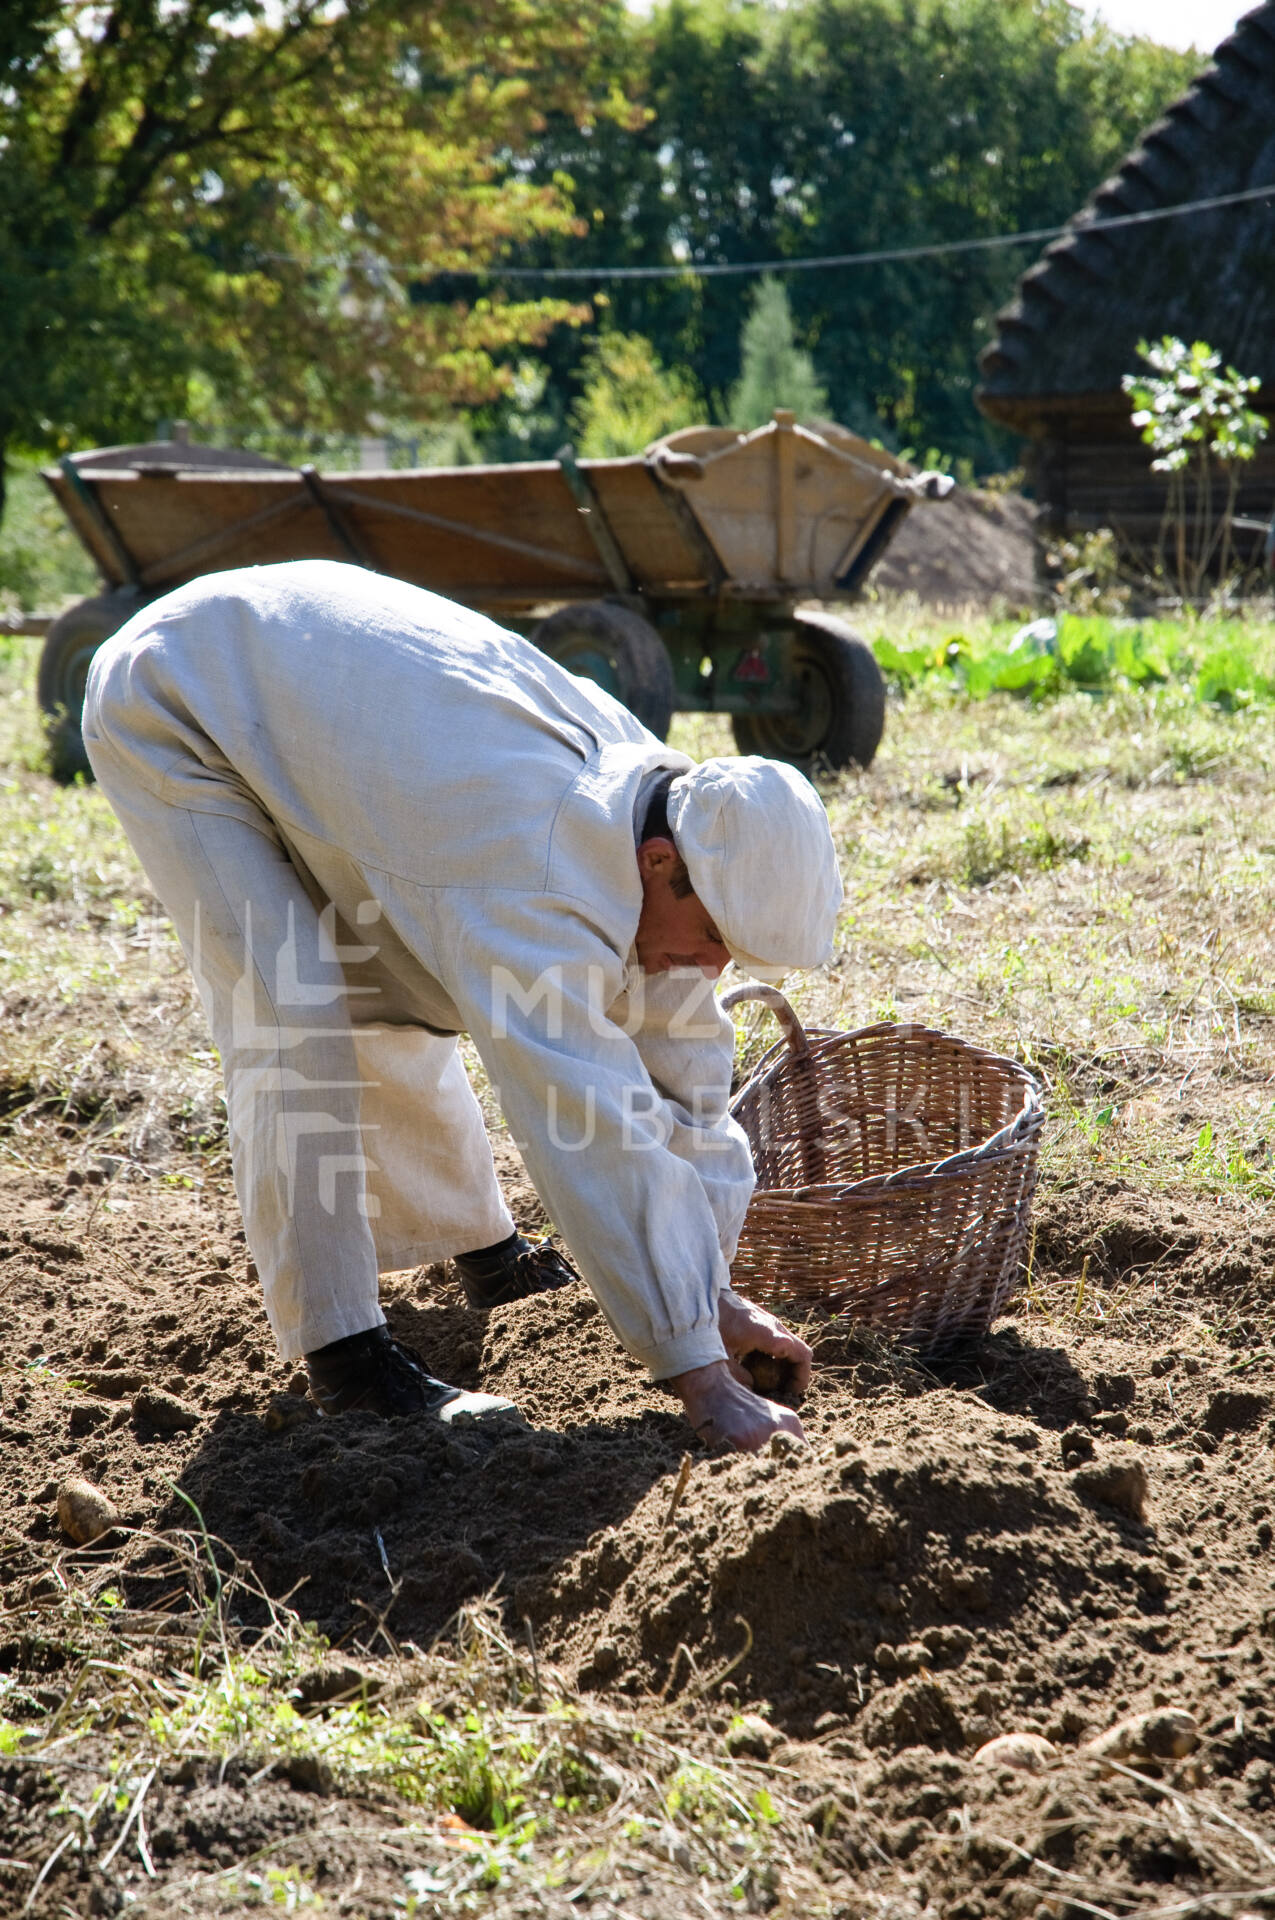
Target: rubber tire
69, 646
843, 713
620, 652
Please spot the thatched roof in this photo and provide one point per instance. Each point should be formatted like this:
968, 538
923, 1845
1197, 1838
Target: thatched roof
1205, 276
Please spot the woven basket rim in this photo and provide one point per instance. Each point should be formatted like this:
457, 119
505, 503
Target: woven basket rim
892, 1028
1017, 1133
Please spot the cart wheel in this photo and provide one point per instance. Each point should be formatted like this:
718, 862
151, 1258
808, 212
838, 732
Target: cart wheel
842, 713
617, 649
69, 646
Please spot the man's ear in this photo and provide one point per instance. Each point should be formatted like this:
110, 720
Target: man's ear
656, 856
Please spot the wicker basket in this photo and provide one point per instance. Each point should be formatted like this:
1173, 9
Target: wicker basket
895, 1170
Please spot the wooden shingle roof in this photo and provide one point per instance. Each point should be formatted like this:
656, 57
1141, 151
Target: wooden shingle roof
1072, 328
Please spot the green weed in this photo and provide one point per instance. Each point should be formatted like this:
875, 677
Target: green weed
1216, 1167
987, 853
286, 1888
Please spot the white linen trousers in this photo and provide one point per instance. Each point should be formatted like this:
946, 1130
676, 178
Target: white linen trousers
377, 820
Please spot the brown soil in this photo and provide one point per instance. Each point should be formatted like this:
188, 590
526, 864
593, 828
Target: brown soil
970, 548
958, 1553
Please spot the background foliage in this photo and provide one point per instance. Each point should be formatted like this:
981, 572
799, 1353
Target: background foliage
210, 209
838, 126
221, 212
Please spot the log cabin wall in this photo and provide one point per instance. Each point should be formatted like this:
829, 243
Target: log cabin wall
1088, 468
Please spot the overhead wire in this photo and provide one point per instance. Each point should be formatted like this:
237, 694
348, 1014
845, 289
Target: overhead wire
874, 256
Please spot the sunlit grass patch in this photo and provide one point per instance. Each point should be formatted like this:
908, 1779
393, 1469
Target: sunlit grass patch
482, 1769
978, 851
1085, 882
102, 1044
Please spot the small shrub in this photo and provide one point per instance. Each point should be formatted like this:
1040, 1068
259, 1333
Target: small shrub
630, 398
1194, 412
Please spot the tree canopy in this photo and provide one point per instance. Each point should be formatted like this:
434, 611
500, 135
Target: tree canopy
280, 213
844, 126
218, 201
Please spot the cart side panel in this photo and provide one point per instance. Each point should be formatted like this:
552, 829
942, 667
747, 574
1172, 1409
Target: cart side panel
179, 525
646, 525
475, 533
471, 532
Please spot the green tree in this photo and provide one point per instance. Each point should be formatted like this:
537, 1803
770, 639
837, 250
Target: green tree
774, 370
220, 201
629, 399
844, 126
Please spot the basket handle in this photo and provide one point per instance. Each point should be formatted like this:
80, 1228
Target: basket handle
793, 1031
814, 1160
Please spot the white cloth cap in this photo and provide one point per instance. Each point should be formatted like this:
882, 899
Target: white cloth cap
758, 848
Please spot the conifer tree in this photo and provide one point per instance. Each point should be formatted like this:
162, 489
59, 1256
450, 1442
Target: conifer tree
774, 370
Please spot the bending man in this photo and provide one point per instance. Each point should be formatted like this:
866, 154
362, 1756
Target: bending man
378, 821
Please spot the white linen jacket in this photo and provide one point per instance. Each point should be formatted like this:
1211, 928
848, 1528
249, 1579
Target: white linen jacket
485, 799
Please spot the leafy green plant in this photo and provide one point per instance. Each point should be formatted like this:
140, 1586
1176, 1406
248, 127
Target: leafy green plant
630, 399
1228, 663
1194, 412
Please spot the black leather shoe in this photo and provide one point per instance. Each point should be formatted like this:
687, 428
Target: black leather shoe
513, 1271
371, 1373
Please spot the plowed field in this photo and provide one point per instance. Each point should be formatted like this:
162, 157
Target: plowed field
379, 1667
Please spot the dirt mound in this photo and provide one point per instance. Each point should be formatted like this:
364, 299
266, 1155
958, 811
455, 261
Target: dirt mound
1068, 1524
1013, 1570
406, 1520
971, 547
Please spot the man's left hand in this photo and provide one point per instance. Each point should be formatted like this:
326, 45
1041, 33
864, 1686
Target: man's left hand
748, 1329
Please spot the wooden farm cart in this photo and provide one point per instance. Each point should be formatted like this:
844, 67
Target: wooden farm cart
672, 578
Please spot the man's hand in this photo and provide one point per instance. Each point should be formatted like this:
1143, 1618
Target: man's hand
748, 1329
722, 1410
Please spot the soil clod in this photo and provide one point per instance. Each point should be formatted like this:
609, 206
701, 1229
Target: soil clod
1119, 1483
1169, 1733
1022, 1752
152, 1407
85, 1512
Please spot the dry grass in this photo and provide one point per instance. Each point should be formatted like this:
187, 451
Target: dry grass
1087, 884
462, 1772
